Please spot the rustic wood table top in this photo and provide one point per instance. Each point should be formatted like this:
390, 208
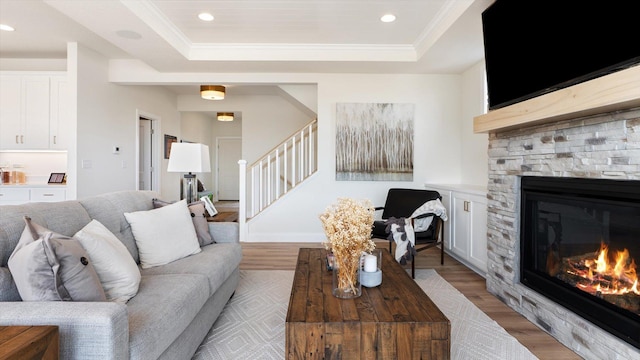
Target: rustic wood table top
395, 320
224, 216
29, 342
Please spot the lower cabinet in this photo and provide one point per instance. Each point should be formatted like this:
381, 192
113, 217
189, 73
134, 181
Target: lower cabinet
466, 229
16, 196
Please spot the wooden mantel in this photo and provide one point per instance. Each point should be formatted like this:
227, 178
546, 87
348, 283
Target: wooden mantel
616, 91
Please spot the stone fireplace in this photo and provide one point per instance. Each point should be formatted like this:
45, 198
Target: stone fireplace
602, 146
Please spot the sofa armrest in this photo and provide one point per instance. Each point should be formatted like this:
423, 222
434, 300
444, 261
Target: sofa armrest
86, 329
225, 232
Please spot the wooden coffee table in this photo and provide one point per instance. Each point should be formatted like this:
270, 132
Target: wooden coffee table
395, 320
29, 342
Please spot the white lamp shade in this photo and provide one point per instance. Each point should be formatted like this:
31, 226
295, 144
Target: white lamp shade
188, 157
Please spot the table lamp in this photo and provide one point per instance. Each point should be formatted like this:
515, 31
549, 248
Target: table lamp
189, 158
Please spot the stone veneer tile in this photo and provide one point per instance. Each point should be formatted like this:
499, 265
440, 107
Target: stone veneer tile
601, 146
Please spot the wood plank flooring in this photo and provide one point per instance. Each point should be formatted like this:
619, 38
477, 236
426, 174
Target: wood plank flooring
283, 256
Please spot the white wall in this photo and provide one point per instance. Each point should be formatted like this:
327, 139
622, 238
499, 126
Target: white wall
437, 149
266, 119
106, 117
474, 147
198, 127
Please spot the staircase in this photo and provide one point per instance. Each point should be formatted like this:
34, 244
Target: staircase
278, 172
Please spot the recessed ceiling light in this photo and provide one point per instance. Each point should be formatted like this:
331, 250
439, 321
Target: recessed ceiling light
205, 16
6, 27
388, 18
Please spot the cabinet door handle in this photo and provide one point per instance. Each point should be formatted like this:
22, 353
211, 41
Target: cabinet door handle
47, 194
21, 139
466, 206
54, 139
17, 142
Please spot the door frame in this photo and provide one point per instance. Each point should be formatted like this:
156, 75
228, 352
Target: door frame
155, 149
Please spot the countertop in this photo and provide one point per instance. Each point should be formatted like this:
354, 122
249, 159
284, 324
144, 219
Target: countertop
32, 186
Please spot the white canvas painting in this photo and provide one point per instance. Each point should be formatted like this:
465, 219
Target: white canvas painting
374, 141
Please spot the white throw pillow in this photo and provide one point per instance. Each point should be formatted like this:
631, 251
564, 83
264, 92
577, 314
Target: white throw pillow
118, 272
163, 235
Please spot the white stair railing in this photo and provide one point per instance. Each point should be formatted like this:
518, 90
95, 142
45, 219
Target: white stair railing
279, 171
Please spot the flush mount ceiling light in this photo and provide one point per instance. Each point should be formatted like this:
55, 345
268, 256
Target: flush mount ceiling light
388, 18
212, 92
6, 27
225, 116
205, 16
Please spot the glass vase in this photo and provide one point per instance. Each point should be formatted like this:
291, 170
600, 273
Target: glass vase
346, 278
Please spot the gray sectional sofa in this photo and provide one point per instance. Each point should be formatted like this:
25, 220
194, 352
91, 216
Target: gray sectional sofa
173, 310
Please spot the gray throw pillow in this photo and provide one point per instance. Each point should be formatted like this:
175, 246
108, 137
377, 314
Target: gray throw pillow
49, 266
198, 217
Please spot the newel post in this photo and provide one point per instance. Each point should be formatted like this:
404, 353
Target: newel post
242, 206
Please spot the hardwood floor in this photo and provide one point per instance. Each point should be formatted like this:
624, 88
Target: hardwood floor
283, 256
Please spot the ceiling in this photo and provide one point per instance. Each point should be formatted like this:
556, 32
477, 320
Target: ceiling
338, 36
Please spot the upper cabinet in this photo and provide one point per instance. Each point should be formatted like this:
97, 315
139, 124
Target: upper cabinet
33, 111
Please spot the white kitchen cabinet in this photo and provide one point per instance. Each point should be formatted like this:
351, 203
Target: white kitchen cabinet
10, 111
34, 111
20, 194
47, 195
466, 230
9, 196
59, 116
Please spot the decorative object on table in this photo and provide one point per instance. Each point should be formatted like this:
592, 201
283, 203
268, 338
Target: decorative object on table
169, 140
208, 205
374, 141
189, 158
330, 260
347, 225
371, 273
57, 178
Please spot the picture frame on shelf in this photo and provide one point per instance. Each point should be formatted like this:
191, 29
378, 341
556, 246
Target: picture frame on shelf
57, 178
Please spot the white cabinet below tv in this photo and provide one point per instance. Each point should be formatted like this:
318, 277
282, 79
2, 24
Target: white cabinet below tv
465, 233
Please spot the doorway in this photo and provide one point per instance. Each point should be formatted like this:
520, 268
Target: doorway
227, 174
147, 154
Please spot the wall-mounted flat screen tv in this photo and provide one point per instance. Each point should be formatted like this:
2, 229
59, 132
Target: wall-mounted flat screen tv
533, 47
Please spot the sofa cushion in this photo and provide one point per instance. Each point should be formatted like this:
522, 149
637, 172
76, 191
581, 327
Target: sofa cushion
65, 217
109, 209
49, 266
163, 235
162, 310
198, 217
118, 273
216, 262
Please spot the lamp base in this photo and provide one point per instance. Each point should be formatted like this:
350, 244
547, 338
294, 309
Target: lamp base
189, 188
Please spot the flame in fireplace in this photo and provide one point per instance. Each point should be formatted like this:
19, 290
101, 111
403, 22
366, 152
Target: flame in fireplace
617, 277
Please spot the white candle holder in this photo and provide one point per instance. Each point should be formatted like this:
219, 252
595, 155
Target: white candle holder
370, 269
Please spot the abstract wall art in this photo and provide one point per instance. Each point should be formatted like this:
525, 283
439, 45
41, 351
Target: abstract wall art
374, 141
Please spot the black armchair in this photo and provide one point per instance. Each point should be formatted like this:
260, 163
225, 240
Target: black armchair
401, 203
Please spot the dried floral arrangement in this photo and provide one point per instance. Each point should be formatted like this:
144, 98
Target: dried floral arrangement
347, 224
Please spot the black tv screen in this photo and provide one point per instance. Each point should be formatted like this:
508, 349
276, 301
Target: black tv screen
533, 47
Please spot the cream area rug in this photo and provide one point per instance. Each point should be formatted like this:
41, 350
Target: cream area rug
251, 325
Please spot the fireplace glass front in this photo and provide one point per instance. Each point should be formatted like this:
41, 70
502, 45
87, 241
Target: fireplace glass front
580, 245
